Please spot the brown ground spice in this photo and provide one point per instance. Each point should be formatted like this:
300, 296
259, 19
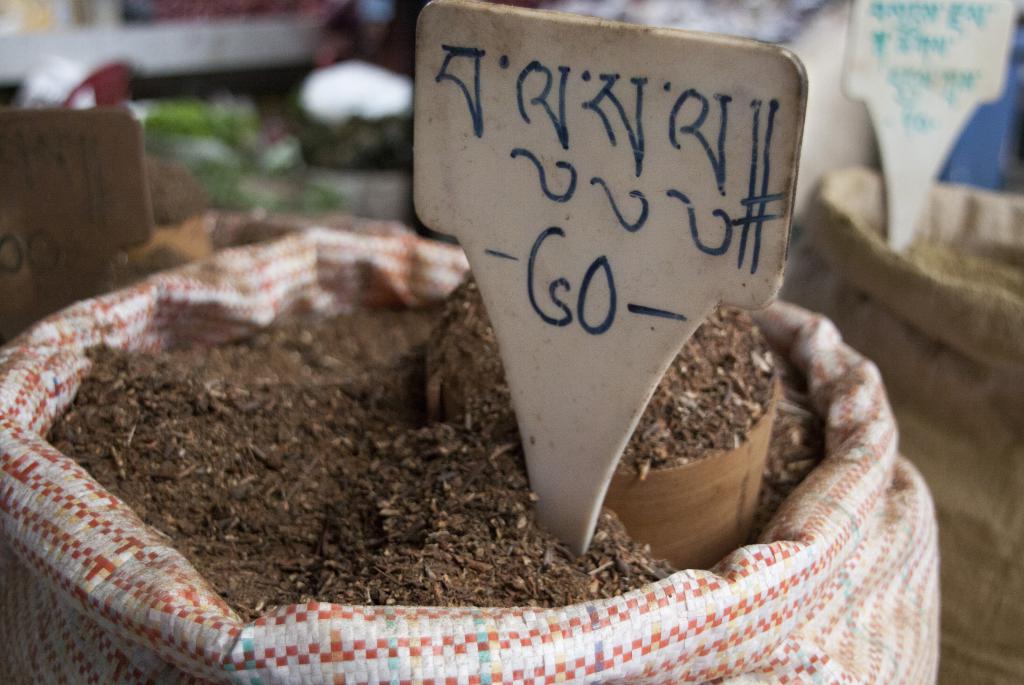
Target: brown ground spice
797, 446
710, 397
299, 465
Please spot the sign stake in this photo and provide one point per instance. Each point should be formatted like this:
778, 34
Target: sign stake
611, 185
922, 68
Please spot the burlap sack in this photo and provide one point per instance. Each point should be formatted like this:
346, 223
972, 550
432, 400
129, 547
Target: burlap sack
961, 282
843, 587
945, 324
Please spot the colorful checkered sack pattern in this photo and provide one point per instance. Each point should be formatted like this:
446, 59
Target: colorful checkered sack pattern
843, 587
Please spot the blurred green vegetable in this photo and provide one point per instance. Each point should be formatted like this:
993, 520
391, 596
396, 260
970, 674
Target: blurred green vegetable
220, 143
357, 143
354, 144
234, 123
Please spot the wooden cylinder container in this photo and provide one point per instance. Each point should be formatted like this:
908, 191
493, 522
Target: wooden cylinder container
694, 514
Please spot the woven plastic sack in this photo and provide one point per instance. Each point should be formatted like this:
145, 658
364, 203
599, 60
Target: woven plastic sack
843, 588
945, 324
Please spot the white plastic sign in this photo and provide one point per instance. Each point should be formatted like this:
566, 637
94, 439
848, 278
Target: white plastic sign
922, 68
611, 184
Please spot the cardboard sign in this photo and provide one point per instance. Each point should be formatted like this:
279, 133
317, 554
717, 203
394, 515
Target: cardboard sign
74, 192
922, 68
611, 184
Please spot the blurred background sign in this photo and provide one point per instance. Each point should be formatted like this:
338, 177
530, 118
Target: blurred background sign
74, 193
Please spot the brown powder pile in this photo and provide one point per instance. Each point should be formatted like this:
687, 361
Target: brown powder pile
797, 446
710, 397
297, 465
